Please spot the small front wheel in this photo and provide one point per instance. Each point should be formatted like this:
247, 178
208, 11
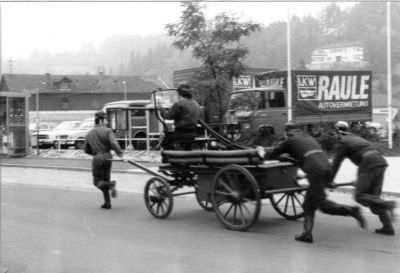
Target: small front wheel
80, 144
289, 204
158, 197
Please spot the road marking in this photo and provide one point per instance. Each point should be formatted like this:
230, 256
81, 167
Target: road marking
87, 225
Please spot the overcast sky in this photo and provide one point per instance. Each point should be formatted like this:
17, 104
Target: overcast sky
67, 26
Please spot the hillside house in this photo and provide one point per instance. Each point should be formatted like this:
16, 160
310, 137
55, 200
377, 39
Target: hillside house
340, 56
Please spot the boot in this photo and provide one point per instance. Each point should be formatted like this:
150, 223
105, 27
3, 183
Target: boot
106, 206
114, 192
392, 207
306, 236
384, 231
355, 213
387, 228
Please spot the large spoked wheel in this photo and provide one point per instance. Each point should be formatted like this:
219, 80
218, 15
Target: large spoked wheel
205, 204
289, 205
236, 197
158, 197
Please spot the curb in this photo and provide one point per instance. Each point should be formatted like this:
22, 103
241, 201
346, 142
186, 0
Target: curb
139, 171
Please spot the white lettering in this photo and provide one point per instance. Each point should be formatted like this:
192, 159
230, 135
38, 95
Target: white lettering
346, 85
323, 88
364, 86
335, 89
354, 94
342, 87
342, 104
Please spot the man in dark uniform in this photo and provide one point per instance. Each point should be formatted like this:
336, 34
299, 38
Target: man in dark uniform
371, 169
313, 161
99, 142
185, 113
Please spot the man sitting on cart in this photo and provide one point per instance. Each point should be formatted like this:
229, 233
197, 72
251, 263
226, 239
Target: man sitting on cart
185, 113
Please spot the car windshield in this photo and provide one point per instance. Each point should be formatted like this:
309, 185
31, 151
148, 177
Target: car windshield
47, 126
68, 125
246, 101
166, 97
87, 124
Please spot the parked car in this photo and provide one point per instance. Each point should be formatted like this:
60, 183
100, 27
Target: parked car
43, 126
375, 128
77, 137
61, 135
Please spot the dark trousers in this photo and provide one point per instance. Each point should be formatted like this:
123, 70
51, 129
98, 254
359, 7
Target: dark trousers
368, 191
319, 172
101, 171
180, 139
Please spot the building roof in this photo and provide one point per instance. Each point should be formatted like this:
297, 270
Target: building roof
341, 45
48, 83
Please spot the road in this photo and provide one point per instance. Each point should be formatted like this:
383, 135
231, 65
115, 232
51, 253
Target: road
58, 227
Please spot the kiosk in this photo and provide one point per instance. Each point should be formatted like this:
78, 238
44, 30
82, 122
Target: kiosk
14, 128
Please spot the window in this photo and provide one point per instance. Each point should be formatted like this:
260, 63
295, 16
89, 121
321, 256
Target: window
276, 99
65, 103
246, 101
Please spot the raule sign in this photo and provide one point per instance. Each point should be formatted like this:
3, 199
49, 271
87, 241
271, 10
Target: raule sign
333, 92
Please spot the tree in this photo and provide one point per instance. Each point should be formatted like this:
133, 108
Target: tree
332, 22
217, 44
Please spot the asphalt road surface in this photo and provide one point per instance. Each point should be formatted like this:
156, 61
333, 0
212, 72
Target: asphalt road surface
52, 230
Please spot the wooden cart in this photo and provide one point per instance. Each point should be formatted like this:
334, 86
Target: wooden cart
231, 183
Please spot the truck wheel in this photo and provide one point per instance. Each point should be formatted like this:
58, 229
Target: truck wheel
55, 145
80, 144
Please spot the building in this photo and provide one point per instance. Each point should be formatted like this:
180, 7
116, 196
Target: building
338, 56
71, 97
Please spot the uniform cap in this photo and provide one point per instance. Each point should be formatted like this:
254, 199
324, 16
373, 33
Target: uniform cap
184, 87
342, 126
184, 90
100, 114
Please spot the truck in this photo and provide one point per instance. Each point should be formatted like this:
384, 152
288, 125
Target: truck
318, 97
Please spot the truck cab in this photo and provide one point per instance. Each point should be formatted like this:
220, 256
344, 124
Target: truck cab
261, 111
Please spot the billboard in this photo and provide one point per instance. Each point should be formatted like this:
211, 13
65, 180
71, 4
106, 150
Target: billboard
324, 92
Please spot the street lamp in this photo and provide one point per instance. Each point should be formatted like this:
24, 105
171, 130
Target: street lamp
37, 118
124, 83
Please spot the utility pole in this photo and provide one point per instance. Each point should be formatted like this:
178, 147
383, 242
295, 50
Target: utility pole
37, 121
124, 83
389, 78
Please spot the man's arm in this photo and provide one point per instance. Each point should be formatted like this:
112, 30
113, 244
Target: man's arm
171, 113
283, 147
88, 149
114, 144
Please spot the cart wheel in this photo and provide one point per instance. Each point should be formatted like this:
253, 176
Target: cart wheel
289, 205
206, 205
158, 197
236, 197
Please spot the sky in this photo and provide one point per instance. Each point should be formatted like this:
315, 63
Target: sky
67, 26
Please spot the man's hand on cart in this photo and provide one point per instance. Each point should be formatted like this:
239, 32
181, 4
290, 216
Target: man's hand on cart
125, 158
301, 176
